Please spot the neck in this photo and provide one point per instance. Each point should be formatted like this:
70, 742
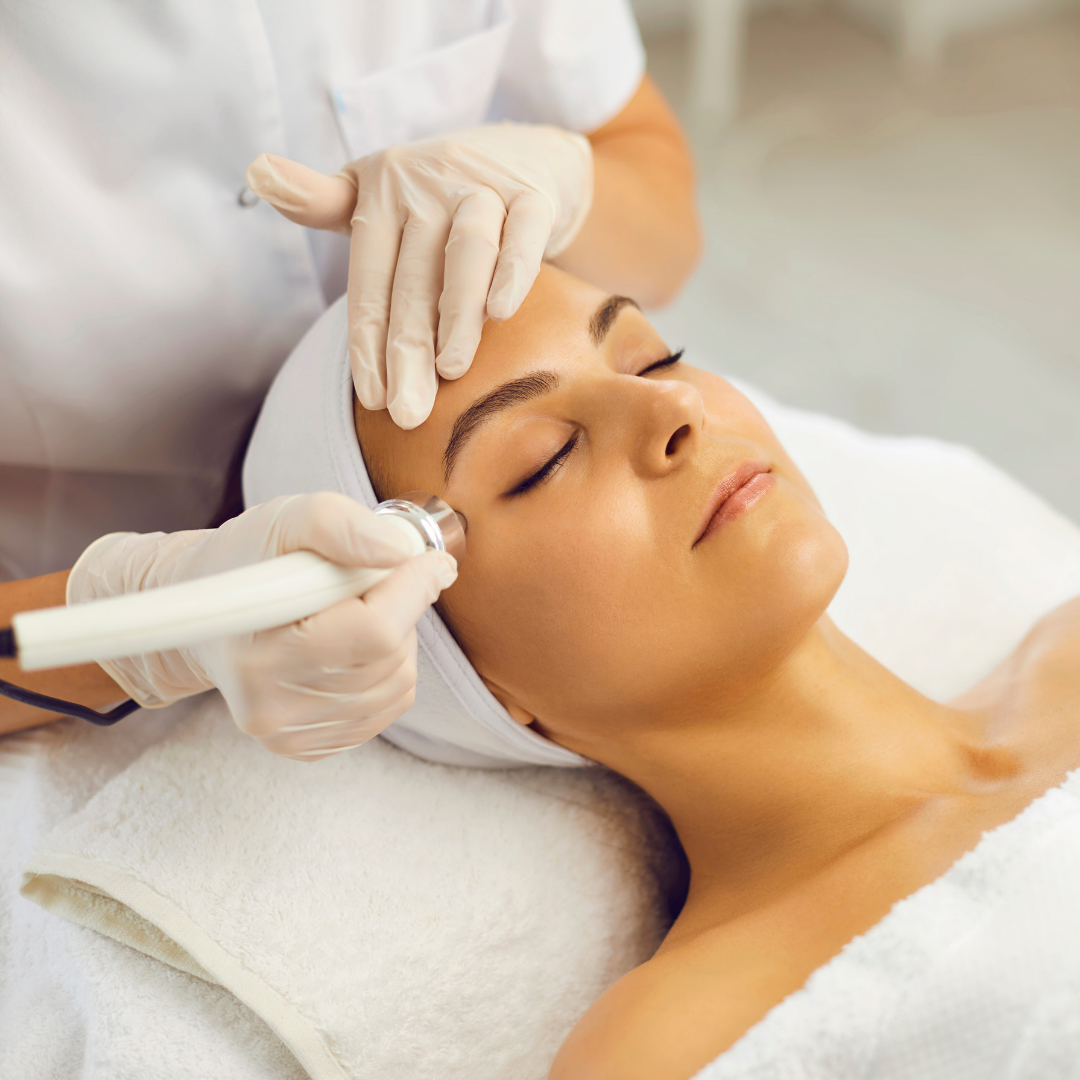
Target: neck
825, 752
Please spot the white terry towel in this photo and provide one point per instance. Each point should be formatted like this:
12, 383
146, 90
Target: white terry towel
387, 918
974, 977
74, 1004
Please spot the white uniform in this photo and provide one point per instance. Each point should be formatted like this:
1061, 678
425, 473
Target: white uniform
146, 297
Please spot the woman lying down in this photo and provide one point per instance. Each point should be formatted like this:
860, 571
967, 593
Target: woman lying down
645, 586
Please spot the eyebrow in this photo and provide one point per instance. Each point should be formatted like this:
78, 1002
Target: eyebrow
526, 388
605, 314
514, 392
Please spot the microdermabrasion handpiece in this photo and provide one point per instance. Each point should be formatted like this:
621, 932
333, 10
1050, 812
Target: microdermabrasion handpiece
272, 593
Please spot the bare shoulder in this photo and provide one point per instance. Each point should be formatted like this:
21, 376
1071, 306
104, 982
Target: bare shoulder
665, 1020
1056, 636
1034, 698
1046, 663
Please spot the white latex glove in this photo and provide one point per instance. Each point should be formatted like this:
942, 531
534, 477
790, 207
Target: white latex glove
445, 233
324, 684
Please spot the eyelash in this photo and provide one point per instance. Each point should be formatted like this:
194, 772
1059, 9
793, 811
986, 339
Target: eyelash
674, 358
545, 471
549, 467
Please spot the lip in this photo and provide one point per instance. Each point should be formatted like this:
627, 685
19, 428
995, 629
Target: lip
738, 491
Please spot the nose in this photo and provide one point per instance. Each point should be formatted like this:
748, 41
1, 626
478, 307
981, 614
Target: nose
669, 418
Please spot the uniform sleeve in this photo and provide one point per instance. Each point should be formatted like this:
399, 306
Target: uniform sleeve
573, 63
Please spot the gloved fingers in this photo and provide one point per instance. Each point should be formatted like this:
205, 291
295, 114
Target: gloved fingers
399, 600
304, 723
348, 638
411, 381
360, 636
318, 726
373, 254
529, 219
352, 679
365, 639
300, 747
471, 253
275, 664
364, 732
303, 195
344, 649
339, 529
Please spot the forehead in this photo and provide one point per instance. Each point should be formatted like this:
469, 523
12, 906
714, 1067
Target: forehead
549, 331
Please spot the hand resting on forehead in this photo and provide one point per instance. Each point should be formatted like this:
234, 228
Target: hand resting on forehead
646, 584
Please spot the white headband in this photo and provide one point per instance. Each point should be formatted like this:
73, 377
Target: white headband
305, 441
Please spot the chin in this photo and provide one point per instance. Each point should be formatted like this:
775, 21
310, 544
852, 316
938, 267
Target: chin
806, 586
779, 583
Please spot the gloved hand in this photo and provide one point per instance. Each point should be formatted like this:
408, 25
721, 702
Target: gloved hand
445, 233
327, 683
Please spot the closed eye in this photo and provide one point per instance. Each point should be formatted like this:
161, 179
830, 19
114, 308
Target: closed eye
674, 358
547, 469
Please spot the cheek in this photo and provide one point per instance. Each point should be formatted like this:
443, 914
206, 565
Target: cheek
772, 583
731, 410
547, 616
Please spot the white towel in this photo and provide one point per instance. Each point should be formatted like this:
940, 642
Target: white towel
974, 977
387, 918
76, 1004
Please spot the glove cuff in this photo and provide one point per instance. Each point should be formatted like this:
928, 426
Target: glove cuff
122, 563
156, 679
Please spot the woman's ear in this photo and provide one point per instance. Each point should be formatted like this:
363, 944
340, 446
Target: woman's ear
517, 713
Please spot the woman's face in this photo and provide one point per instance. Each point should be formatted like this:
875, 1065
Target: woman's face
600, 594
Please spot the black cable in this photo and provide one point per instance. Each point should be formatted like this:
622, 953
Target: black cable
9, 649
67, 708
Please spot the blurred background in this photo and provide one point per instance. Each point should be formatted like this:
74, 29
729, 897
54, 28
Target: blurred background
891, 197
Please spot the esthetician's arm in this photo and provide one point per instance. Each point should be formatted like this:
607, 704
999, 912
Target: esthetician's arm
642, 236
87, 684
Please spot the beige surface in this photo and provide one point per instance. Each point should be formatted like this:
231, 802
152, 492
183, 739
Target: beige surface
905, 254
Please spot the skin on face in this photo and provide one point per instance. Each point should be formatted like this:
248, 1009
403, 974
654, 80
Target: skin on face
585, 601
